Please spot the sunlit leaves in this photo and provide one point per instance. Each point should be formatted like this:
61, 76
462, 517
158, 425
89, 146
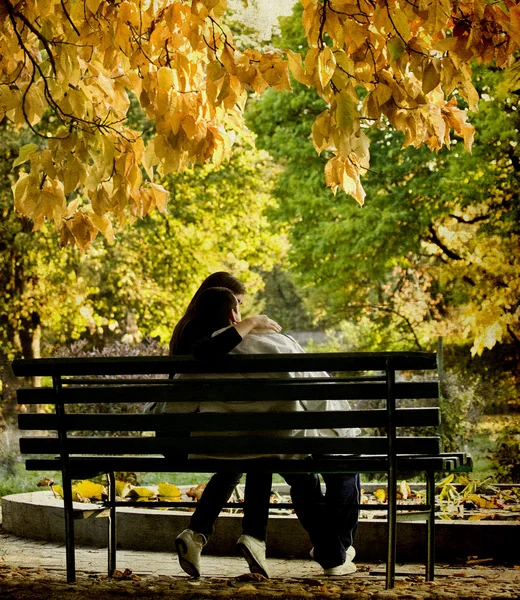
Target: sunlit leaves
395, 62
78, 60
409, 58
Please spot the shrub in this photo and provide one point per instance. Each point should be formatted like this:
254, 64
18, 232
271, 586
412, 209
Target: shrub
147, 347
507, 457
460, 408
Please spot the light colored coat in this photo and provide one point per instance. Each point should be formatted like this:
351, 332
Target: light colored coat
266, 343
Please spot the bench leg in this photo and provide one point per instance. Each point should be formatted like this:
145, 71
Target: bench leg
392, 531
112, 530
392, 476
69, 528
430, 500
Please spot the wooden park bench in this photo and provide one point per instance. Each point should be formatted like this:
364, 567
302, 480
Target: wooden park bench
72, 441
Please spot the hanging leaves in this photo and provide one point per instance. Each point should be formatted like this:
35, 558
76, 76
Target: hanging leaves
78, 61
407, 58
395, 62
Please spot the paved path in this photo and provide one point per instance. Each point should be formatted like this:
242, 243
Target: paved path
34, 570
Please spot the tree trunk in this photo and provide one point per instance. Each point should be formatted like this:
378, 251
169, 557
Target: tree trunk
30, 345
10, 384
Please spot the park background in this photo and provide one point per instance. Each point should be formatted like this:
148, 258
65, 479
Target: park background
432, 256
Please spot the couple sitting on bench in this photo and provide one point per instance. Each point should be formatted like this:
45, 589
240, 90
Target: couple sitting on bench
211, 327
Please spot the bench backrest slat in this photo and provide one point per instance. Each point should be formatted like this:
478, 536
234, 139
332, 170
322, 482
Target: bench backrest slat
405, 417
216, 391
240, 445
252, 363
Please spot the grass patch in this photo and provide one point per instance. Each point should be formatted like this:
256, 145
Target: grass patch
17, 480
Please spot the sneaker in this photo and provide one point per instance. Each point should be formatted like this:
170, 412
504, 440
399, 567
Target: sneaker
345, 569
189, 545
350, 554
253, 551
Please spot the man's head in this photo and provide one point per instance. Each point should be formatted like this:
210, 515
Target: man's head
216, 308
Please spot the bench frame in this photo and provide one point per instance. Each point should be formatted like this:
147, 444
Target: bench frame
85, 379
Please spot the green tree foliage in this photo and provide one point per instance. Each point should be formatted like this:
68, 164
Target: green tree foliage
435, 249
142, 285
215, 221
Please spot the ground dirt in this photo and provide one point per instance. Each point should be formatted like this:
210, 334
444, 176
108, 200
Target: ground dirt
42, 584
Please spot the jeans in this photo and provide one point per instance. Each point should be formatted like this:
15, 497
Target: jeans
335, 521
305, 494
218, 491
328, 519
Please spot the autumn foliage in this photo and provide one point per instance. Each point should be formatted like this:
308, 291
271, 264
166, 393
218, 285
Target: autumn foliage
67, 68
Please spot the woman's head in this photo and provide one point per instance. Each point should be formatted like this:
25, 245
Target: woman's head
216, 308
220, 279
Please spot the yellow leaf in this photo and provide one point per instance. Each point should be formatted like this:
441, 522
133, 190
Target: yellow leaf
165, 78
274, 70
296, 67
93, 5
431, 78
404, 490
160, 196
82, 230
383, 93
396, 48
57, 489
399, 23
122, 488
142, 492
45, 482
36, 104
74, 172
89, 489
106, 84
479, 501
381, 494
168, 489
25, 154
104, 225
321, 130
346, 111
439, 13
190, 126
326, 66
446, 481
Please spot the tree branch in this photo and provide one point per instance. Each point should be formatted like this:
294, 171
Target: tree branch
68, 17
18, 15
470, 221
394, 312
434, 238
516, 340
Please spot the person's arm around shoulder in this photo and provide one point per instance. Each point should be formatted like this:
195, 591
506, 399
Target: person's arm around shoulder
256, 324
224, 341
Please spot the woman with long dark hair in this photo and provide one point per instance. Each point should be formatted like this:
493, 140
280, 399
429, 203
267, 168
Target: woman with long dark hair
216, 305
329, 520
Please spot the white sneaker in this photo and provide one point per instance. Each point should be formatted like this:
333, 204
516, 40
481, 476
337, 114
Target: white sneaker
350, 554
253, 551
189, 545
345, 569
